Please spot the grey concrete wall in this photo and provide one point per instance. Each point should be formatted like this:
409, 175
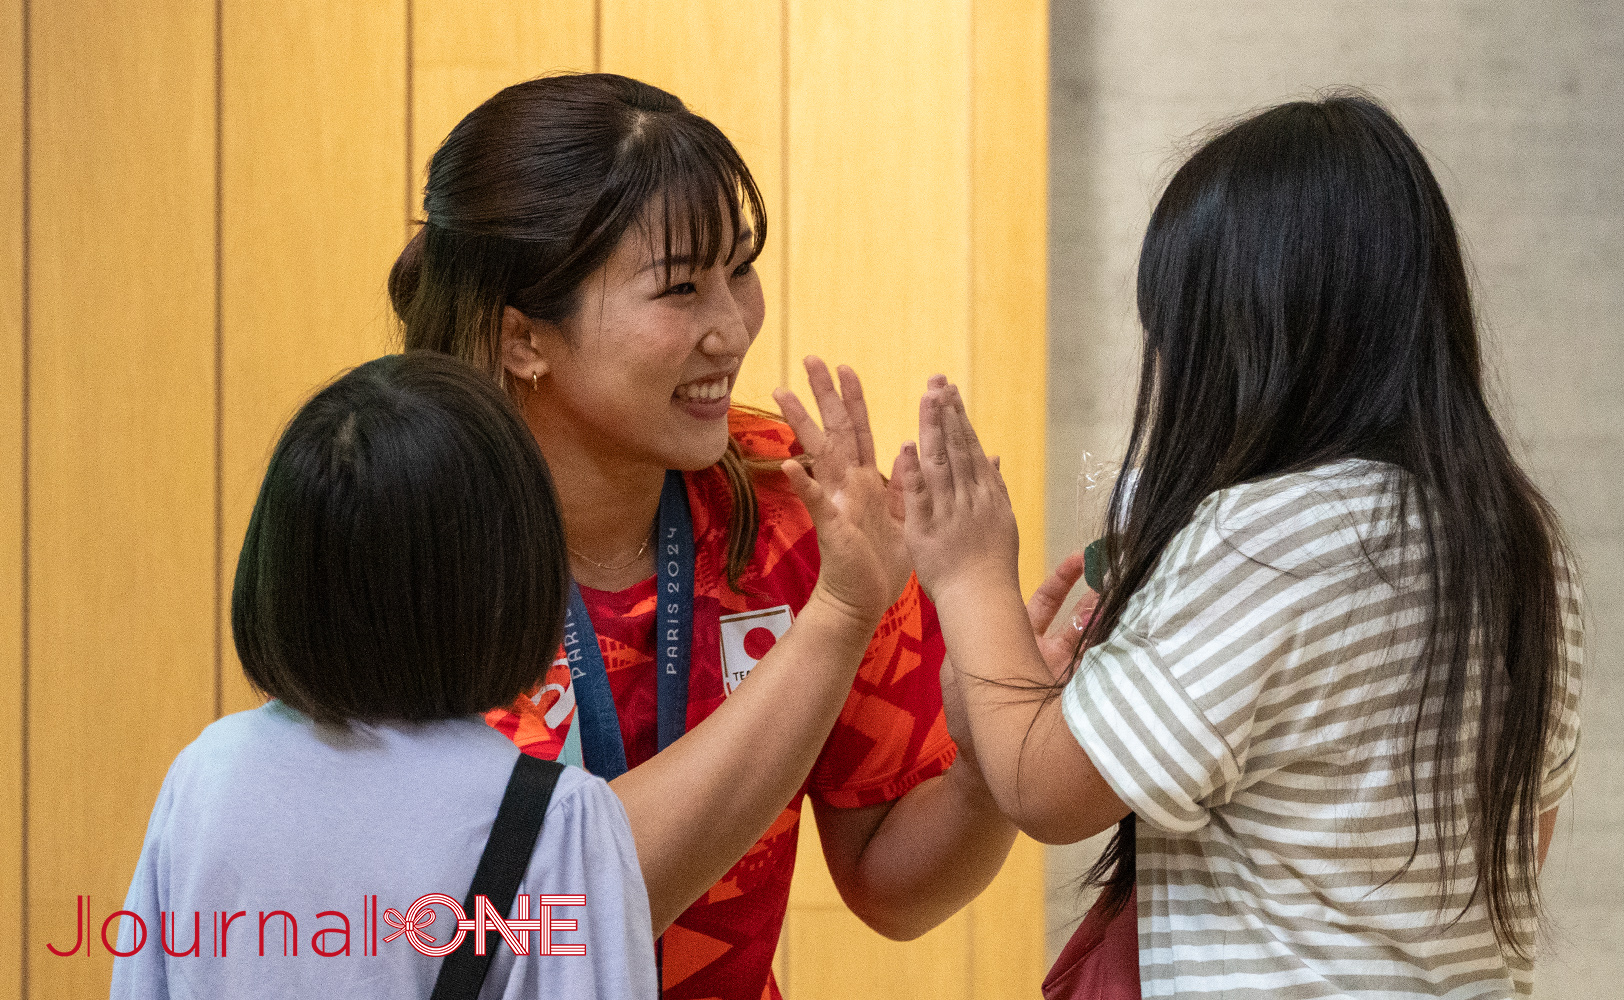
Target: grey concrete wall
1520, 106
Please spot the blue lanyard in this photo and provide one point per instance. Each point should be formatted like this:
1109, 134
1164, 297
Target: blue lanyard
601, 746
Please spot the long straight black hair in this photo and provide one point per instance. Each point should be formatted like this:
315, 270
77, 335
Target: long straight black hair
1304, 300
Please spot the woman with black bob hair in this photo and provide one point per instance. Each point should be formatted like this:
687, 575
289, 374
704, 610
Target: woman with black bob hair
403, 572
1331, 686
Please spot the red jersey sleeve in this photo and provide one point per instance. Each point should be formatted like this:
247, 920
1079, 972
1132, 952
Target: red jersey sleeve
892, 733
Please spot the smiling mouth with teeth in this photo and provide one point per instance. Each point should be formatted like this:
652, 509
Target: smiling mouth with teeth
705, 392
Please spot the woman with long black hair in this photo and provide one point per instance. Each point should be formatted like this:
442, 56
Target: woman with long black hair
1330, 689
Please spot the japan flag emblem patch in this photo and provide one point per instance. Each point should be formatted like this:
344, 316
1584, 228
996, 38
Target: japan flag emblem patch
746, 638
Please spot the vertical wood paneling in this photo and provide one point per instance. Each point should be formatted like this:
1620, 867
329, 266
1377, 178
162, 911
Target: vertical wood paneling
313, 138
725, 59
1009, 240
879, 198
917, 217
463, 52
902, 156
1008, 366
121, 456
11, 487
879, 242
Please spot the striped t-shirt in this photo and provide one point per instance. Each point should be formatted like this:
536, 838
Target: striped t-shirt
1254, 709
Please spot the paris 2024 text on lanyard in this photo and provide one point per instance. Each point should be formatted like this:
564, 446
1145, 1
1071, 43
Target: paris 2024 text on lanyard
602, 751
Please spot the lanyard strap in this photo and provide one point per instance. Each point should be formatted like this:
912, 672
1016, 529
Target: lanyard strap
601, 746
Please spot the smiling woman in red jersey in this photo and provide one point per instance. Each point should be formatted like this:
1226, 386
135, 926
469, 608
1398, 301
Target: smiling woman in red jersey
742, 635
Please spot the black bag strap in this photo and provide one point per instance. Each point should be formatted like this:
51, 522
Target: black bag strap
501, 867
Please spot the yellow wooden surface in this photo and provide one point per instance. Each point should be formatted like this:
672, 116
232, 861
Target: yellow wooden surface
879, 198
1009, 260
918, 221
1006, 928
901, 152
829, 953
313, 141
898, 127
1008, 365
121, 461
11, 486
463, 52
725, 59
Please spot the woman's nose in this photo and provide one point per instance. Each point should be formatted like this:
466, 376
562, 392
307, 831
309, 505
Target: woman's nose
728, 333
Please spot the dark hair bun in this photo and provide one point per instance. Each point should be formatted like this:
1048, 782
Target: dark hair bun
403, 277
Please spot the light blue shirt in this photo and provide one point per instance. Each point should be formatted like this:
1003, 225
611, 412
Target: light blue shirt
267, 812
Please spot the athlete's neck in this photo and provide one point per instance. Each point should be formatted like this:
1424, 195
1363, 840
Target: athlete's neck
609, 507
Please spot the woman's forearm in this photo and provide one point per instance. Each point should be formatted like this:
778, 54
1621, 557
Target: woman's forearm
929, 854
698, 805
1037, 772
905, 867
965, 546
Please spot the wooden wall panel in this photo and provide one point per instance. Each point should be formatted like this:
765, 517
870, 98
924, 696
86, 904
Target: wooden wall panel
879, 198
725, 59
122, 446
11, 487
1008, 365
313, 160
879, 182
1009, 239
463, 52
902, 156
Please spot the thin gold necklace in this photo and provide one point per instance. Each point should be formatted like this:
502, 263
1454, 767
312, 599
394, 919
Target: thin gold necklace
605, 566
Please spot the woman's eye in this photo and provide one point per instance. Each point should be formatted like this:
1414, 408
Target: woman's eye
685, 288
743, 269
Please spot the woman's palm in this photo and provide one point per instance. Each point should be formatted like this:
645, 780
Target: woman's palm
856, 512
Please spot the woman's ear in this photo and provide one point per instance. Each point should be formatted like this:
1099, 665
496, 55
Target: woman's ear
524, 346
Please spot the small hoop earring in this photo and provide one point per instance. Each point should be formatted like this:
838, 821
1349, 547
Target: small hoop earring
535, 382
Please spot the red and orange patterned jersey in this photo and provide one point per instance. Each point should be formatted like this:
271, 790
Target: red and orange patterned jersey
891, 734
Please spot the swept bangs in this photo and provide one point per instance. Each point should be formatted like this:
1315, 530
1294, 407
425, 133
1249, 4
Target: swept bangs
690, 193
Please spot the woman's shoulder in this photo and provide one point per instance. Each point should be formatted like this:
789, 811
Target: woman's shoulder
784, 528
765, 441
1352, 482
1303, 512
1314, 523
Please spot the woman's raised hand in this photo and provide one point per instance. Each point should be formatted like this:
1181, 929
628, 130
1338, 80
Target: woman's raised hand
857, 515
960, 526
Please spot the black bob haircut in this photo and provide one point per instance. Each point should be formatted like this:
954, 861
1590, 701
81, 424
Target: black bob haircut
405, 558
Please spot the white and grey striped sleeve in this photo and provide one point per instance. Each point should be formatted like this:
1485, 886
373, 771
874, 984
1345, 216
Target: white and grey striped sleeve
1131, 703
1145, 735
1562, 754
1168, 707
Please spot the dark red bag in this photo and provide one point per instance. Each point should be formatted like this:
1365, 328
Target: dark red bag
1101, 961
